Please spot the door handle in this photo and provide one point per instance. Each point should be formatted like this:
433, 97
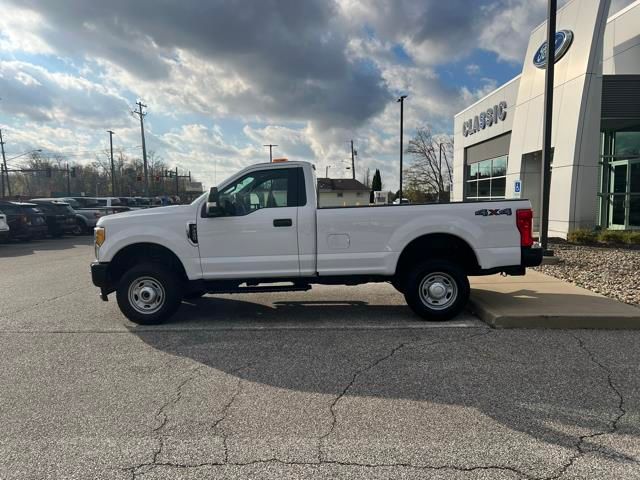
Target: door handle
282, 222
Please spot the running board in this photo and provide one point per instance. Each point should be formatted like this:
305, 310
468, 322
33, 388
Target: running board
266, 289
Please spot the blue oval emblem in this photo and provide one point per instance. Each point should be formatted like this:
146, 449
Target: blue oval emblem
563, 42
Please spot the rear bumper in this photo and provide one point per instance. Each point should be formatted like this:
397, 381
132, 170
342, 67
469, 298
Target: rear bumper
531, 256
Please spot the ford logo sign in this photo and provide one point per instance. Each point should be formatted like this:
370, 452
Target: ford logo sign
563, 42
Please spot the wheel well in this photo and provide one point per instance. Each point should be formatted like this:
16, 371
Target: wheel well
143, 252
437, 245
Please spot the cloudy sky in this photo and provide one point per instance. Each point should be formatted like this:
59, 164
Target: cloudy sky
223, 77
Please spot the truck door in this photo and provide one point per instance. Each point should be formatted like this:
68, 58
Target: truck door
257, 235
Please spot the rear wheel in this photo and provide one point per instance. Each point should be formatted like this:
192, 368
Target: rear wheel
149, 294
437, 289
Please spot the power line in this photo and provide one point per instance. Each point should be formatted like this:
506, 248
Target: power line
84, 153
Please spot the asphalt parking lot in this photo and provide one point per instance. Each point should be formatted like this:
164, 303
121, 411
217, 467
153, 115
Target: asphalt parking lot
333, 383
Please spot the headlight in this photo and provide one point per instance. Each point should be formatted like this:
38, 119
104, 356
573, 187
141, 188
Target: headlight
99, 235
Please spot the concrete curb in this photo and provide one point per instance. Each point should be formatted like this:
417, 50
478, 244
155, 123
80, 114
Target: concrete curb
495, 319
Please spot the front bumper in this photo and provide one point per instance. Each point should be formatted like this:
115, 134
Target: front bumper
36, 231
100, 278
531, 256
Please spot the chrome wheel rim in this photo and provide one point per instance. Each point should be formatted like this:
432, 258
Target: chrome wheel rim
146, 295
438, 290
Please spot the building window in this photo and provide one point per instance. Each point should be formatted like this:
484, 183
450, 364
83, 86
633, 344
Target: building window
486, 180
619, 193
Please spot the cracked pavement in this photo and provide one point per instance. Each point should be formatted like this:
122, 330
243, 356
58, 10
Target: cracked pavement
333, 383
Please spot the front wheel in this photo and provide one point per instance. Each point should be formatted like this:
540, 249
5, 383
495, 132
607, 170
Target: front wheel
149, 294
79, 228
437, 290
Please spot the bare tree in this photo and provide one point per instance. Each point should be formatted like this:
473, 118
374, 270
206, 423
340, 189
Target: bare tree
430, 171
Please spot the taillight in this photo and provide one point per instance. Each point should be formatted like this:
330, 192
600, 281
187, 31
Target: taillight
524, 221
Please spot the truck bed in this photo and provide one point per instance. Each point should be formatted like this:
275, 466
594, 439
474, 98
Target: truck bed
369, 239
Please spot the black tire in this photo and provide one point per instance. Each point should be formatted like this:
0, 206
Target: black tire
79, 228
446, 278
166, 284
398, 284
194, 295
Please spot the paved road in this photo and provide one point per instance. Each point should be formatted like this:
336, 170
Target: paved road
333, 383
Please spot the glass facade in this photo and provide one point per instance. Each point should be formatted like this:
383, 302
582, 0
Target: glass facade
620, 179
486, 180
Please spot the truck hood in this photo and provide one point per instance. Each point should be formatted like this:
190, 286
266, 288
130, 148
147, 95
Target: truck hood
149, 214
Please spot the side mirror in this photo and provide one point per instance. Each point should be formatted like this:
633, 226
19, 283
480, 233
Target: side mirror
212, 207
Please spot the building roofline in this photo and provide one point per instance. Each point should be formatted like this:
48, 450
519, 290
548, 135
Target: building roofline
490, 93
623, 11
609, 19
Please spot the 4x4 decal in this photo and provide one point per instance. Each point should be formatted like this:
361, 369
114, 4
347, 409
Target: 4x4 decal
489, 212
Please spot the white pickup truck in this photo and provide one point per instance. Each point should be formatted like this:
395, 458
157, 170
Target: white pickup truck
261, 231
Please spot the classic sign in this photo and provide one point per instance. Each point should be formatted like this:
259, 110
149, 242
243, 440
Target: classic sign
485, 119
562, 43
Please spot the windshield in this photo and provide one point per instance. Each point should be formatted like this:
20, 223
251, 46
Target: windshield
73, 203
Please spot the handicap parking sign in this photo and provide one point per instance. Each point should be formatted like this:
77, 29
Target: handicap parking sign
517, 188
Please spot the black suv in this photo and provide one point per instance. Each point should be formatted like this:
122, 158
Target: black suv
24, 219
61, 219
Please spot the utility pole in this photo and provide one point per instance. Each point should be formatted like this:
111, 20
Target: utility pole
401, 101
547, 124
270, 145
326, 171
141, 114
177, 183
353, 162
113, 172
68, 181
440, 186
6, 170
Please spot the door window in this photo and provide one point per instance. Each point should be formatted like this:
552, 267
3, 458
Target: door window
273, 188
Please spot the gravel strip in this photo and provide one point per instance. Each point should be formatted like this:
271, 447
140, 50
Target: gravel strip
614, 272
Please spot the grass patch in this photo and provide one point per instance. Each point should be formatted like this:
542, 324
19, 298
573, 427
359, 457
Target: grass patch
607, 237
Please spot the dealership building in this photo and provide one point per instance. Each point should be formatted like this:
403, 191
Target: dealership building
595, 178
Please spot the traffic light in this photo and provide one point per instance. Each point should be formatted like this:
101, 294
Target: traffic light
73, 172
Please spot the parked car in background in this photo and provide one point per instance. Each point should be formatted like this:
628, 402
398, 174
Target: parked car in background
60, 217
25, 220
135, 203
86, 218
4, 228
108, 202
